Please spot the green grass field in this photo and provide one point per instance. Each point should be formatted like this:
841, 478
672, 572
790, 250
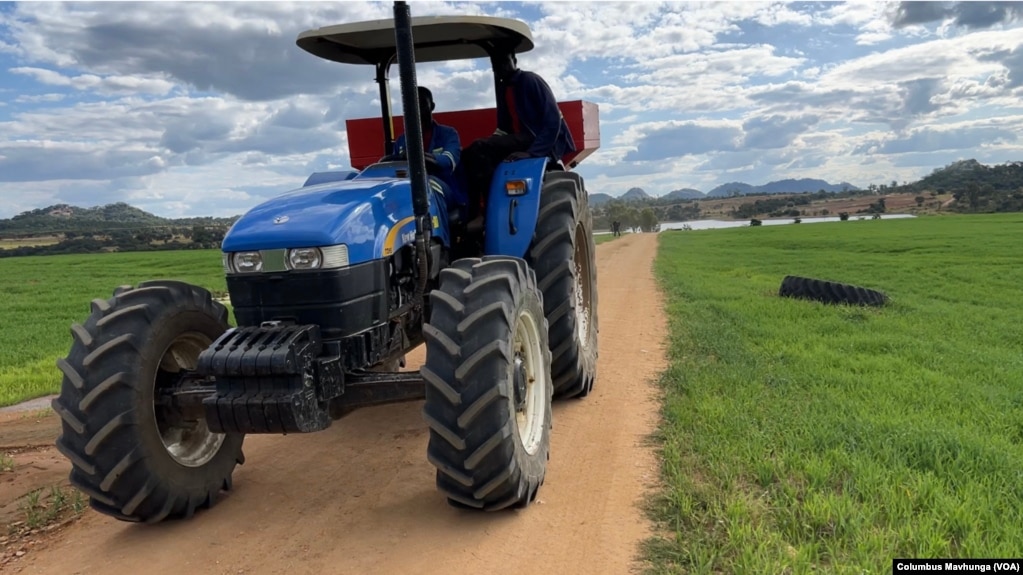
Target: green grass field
799, 437
44, 295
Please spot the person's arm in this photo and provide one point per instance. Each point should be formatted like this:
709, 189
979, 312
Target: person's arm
542, 100
447, 138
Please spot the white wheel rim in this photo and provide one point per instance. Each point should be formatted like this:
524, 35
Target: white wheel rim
582, 319
191, 445
530, 419
582, 294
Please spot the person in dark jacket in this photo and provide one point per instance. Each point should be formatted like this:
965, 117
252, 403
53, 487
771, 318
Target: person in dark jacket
441, 144
529, 125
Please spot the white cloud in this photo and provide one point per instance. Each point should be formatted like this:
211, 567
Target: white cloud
100, 84
25, 99
194, 108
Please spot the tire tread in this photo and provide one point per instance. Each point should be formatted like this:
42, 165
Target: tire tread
474, 443
564, 207
103, 426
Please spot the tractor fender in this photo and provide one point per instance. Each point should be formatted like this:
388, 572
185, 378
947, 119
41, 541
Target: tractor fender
511, 219
371, 217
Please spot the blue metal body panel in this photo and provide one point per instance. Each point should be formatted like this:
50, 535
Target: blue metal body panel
511, 220
370, 213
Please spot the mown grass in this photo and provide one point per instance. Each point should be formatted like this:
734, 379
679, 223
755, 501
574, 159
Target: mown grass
801, 437
44, 295
603, 238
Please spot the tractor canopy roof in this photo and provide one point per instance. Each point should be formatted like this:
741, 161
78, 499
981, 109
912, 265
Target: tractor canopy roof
436, 38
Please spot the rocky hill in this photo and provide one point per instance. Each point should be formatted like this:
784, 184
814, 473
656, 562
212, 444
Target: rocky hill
635, 194
961, 175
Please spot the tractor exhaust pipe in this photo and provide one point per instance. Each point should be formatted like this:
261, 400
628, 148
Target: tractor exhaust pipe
413, 140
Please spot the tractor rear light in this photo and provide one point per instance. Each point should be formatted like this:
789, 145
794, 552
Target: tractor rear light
247, 262
516, 187
305, 258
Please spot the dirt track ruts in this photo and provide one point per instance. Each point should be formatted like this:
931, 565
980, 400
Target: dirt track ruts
360, 498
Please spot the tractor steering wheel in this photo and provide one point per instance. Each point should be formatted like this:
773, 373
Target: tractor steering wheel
432, 166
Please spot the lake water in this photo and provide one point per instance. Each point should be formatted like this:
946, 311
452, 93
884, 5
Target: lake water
718, 224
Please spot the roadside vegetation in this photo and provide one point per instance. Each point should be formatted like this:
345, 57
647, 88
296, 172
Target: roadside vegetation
47, 506
802, 437
44, 295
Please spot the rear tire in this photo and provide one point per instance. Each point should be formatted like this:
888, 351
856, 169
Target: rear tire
562, 253
488, 384
135, 461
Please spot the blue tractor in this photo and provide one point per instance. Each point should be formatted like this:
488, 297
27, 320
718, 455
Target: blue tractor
331, 285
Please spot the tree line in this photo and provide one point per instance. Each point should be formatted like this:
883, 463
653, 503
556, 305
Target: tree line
631, 217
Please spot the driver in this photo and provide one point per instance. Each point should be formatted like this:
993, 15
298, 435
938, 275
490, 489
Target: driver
442, 146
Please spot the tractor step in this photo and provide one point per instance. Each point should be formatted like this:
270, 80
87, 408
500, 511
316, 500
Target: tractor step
270, 379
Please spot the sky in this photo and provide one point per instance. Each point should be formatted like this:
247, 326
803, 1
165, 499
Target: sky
200, 108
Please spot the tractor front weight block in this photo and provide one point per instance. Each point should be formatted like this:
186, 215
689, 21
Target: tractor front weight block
270, 379
282, 378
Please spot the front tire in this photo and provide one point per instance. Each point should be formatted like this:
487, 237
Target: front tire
488, 384
137, 461
563, 253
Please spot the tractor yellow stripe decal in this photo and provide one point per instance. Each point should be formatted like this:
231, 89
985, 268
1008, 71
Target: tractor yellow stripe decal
392, 235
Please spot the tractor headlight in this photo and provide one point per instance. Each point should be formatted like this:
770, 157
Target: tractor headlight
248, 262
305, 258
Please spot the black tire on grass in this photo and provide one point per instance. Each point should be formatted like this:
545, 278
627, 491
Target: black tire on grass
563, 254
830, 292
112, 431
472, 375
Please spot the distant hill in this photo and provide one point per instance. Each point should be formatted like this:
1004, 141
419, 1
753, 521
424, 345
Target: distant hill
788, 186
684, 194
791, 186
960, 175
62, 218
600, 199
976, 187
635, 194
730, 189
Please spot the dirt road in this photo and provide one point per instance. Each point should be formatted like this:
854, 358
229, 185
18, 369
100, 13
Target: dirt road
359, 498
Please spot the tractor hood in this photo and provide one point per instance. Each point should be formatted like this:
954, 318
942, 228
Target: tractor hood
358, 213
